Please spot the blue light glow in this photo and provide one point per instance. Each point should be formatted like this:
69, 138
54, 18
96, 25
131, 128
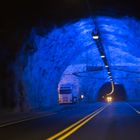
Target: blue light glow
40, 70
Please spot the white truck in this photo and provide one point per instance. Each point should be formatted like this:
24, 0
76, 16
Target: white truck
67, 93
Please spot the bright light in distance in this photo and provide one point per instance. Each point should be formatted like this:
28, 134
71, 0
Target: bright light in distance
95, 37
109, 72
102, 56
109, 99
82, 96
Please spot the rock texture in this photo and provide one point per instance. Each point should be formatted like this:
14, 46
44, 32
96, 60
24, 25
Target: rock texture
45, 58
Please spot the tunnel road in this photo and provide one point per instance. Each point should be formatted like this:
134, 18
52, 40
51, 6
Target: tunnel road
98, 121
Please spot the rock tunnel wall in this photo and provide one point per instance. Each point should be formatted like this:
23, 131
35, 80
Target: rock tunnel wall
44, 57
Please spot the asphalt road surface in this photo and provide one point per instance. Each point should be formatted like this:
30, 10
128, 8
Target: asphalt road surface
98, 121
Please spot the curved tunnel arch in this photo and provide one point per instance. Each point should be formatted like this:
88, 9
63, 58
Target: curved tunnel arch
47, 56
119, 93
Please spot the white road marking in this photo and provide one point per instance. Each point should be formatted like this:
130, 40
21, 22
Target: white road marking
137, 111
24, 120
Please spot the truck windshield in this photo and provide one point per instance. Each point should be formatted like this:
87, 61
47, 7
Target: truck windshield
65, 91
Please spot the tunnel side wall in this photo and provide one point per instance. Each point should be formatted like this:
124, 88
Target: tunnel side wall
133, 90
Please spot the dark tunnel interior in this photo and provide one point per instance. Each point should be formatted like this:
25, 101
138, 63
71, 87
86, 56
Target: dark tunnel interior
119, 93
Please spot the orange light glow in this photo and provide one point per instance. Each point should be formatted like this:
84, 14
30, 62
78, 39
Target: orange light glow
109, 99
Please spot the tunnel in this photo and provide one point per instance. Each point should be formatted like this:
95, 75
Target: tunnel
46, 56
119, 93
70, 69
43, 59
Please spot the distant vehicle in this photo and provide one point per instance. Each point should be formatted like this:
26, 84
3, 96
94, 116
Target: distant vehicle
67, 94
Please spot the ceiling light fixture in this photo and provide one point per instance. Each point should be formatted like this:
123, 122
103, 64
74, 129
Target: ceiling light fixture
102, 56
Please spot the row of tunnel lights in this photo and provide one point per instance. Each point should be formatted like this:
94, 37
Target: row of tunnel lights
108, 97
96, 37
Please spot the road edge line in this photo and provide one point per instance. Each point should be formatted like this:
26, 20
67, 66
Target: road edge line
137, 111
24, 120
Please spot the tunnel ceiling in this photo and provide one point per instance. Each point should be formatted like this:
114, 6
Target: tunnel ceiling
23, 15
17, 18
120, 39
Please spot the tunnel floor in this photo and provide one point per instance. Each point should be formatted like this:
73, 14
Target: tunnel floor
101, 121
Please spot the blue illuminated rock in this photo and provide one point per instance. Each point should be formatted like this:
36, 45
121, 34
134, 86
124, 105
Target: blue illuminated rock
43, 59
